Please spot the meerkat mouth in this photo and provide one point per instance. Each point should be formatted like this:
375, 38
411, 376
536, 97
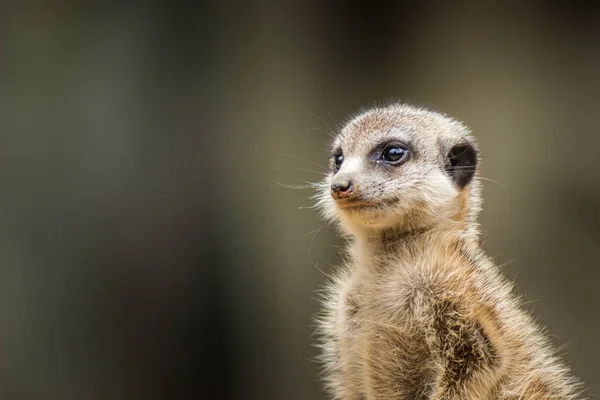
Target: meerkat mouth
357, 204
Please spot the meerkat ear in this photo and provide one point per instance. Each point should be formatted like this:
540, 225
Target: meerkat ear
461, 163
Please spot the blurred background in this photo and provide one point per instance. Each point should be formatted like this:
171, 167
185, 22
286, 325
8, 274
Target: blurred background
146, 250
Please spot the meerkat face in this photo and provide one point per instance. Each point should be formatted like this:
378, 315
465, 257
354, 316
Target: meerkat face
398, 167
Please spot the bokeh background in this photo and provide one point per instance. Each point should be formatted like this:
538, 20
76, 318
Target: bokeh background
146, 248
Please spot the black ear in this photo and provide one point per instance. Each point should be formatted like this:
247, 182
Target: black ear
462, 163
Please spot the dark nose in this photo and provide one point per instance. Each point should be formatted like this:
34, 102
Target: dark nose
342, 190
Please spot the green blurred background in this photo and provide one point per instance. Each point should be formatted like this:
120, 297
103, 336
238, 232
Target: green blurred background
145, 249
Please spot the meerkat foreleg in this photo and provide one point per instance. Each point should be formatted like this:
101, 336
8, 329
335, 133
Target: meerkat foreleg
468, 363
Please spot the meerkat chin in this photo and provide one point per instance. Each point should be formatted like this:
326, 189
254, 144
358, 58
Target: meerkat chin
418, 311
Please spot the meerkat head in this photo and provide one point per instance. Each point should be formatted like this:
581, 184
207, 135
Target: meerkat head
401, 167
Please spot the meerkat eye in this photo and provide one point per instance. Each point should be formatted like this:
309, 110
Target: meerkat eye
394, 154
338, 159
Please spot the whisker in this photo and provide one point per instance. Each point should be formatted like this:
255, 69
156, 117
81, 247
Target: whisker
322, 121
322, 272
308, 185
316, 232
331, 135
493, 181
308, 207
337, 127
471, 169
302, 169
506, 263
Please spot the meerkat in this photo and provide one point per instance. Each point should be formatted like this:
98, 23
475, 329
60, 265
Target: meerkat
418, 311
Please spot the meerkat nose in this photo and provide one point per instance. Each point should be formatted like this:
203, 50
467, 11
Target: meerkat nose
342, 189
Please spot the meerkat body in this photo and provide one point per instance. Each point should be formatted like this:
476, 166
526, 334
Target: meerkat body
418, 311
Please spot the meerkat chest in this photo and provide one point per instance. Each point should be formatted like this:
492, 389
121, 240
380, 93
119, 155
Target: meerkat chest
376, 328
378, 292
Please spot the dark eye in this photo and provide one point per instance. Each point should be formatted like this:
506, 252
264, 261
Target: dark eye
337, 162
394, 154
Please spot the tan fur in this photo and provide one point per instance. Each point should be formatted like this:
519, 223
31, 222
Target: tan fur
418, 311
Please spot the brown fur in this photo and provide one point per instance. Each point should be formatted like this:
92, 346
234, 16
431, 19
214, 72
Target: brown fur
418, 311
